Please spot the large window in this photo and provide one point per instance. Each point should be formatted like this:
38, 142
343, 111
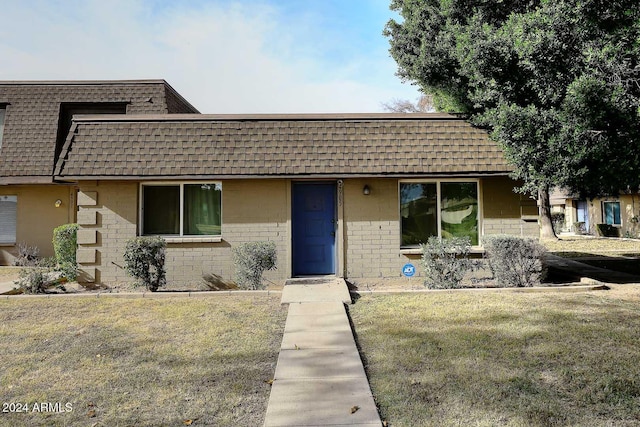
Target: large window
8, 210
182, 209
611, 213
446, 209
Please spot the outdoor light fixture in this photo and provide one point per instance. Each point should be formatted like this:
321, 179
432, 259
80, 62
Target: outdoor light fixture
58, 203
366, 190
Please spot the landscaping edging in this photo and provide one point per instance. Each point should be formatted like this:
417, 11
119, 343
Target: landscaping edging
591, 285
188, 294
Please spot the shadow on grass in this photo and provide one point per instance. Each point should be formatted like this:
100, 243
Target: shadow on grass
596, 266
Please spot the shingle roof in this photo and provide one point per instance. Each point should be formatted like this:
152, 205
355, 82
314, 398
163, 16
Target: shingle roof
162, 147
33, 110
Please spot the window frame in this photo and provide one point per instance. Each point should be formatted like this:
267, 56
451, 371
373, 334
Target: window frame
438, 182
178, 238
604, 212
15, 224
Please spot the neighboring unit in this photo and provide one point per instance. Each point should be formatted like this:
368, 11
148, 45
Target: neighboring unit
35, 118
582, 216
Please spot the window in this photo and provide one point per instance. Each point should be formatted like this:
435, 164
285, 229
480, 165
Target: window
182, 209
8, 209
446, 209
612, 213
3, 111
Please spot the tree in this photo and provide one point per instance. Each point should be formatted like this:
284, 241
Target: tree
556, 84
424, 104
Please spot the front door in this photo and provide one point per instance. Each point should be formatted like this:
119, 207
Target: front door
314, 228
582, 211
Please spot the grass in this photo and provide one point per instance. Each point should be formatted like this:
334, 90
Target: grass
503, 358
134, 361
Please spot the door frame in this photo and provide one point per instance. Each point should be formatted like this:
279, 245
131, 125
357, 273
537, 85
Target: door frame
338, 265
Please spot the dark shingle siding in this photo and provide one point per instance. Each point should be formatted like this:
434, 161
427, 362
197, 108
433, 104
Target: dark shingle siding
29, 138
280, 147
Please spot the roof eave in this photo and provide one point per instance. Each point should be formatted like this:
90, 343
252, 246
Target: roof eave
469, 174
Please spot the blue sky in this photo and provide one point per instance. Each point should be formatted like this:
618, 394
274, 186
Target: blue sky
244, 56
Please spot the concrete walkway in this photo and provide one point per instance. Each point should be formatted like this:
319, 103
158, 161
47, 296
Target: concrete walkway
6, 287
319, 379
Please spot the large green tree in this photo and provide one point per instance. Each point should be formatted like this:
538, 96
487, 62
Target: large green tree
555, 82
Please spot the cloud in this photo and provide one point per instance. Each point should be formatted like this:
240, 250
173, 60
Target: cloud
243, 57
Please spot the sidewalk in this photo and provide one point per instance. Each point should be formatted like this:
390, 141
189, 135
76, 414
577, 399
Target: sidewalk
319, 379
7, 287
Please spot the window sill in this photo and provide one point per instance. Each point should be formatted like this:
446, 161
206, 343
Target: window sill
418, 251
203, 239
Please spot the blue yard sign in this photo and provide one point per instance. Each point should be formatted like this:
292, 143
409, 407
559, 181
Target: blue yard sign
408, 270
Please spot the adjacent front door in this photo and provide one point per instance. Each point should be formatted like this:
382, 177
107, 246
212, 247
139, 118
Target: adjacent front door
314, 228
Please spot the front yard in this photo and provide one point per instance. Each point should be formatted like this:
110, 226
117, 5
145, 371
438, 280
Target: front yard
503, 358
131, 361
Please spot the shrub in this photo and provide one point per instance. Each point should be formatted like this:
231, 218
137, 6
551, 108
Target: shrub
144, 259
446, 261
27, 255
65, 243
607, 230
32, 280
514, 261
251, 260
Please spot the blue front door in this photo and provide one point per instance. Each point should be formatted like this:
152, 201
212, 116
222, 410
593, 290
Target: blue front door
314, 228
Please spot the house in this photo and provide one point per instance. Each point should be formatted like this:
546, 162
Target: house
582, 216
345, 194
35, 118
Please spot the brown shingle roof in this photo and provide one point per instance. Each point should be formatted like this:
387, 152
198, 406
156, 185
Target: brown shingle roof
207, 146
33, 110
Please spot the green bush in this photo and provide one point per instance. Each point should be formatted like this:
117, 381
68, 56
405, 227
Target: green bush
514, 261
251, 260
65, 243
607, 230
446, 261
144, 259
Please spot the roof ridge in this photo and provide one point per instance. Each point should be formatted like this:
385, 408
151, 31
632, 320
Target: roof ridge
262, 117
81, 82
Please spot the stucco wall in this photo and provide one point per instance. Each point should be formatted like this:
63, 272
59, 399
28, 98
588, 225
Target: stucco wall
37, 216
629, 208
507, 212
251, 211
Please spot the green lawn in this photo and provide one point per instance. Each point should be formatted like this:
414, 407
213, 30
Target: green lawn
503, 358
143, 362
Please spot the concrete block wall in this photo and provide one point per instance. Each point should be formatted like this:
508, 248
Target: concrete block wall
251, 211
372, 229
108, 211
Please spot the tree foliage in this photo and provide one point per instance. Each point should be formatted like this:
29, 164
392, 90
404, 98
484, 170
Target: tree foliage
555, 82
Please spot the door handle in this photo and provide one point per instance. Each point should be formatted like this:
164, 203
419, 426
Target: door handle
333, 234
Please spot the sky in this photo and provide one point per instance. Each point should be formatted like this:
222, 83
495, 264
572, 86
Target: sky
223, 56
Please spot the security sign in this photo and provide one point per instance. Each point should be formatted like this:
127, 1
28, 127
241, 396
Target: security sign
408, 270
